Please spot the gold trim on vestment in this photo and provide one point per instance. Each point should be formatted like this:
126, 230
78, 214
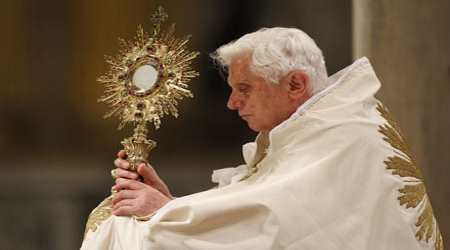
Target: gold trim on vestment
98, 215
413, 193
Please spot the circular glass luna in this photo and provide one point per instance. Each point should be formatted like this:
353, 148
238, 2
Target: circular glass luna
145, 77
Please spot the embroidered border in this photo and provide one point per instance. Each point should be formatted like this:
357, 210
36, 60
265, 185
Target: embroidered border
413, 192
98, 215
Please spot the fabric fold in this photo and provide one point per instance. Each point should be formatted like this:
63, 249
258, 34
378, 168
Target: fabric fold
324, 182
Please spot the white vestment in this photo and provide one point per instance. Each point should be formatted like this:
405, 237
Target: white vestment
333, 177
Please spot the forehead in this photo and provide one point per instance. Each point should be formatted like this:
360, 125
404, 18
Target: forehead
238, 70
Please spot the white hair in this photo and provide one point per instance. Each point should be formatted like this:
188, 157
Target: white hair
277, 51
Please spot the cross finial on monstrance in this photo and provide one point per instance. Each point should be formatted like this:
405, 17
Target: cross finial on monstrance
146, 81
159, 16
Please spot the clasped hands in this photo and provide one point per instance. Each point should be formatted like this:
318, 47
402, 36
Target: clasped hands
139, 194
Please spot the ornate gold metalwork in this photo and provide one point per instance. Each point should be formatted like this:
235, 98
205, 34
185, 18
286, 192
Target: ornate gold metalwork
144, 83
98, 215
138, 147
413, 193
136, 101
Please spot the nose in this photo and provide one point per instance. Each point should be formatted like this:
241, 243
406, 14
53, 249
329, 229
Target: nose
233, 102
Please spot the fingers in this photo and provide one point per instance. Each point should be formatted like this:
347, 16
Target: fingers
149, 174
124, 211
121, 163
151, 178
125, 174
122, 154
137, 202
128, 185
123, 203
119, 180
123, 195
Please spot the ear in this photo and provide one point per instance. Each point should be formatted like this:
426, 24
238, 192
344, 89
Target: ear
297, 83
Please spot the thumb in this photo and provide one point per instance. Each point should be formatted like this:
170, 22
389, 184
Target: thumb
151, 178
148, 173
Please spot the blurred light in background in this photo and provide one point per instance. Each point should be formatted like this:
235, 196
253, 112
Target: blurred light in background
58, 151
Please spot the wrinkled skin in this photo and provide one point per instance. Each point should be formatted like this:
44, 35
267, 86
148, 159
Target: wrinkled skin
262, 105
137, 197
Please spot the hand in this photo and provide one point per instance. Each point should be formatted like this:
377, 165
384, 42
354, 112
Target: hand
136, 198
149, 175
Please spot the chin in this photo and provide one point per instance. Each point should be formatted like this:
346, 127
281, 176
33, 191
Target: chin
254, 127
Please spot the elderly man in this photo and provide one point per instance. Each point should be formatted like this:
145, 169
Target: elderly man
328, 170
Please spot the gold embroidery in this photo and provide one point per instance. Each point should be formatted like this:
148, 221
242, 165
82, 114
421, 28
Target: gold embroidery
414, 192
98, 215
262, 143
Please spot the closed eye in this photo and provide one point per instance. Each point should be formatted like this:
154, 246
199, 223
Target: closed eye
243, 88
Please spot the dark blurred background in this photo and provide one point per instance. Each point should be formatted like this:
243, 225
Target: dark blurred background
57, 151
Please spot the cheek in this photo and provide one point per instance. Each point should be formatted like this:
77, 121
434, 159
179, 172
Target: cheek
270, 108
250, 106
248, 102
261, 109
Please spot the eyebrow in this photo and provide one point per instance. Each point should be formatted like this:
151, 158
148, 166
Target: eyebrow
237, 84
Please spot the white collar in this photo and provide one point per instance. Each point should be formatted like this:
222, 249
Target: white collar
336, 80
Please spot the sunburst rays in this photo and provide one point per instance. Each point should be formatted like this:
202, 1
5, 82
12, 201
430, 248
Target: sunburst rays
165, 52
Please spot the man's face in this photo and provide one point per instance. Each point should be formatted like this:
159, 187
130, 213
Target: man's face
262, 105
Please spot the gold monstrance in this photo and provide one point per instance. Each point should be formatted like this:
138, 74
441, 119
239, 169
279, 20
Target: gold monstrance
145, 82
